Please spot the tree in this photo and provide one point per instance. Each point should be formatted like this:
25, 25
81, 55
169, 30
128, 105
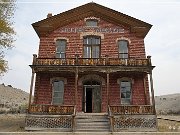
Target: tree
7, 9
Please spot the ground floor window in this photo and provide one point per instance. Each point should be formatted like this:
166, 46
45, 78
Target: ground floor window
125, 88
58, 92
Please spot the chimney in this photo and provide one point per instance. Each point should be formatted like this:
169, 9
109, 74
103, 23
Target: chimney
49, 15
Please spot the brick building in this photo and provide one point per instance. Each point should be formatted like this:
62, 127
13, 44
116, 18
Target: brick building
91, 62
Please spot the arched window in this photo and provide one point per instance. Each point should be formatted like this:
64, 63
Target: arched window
125, 90
91, 47
123, 49
61, 48
58, 92
91, 22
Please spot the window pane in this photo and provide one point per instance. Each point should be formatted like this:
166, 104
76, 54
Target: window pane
97, 40
62, 55
87, 52
125, 92
95, 52
57, 100
123, 56
60, 48
123, 46
91, 22
125, 83
57, 94
125, 101
87, 41
91, 47
58, 86
58, 91
128, 95
123, 95
58, 55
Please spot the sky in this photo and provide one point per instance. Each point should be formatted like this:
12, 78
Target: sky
162, 42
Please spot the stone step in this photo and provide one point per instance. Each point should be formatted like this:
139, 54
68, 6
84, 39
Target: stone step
91, 120
93, 127
92, 123
92, 130
89, 117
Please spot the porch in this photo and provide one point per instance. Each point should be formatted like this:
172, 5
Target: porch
120, 117
65, 118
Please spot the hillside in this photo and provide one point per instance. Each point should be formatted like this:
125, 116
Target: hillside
12, 97
168, 104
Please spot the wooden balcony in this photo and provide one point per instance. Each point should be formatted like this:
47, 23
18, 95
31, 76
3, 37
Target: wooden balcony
117, 64
91, 62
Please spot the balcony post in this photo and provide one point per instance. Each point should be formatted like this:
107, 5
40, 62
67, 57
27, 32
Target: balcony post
107, 60
145, 89
107, 89
149, 60
76, 86
152, 91
77, 56
32, 82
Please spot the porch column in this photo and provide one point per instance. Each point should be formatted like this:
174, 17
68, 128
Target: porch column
152, 91
107, 88
32, 82
145, 89
151, 83
76, 86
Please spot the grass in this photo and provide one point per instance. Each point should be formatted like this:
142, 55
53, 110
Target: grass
168, 126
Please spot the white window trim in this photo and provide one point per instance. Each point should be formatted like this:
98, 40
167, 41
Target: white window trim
83, 34
61, 38
91, 18
126, 79
123, 38
53, 95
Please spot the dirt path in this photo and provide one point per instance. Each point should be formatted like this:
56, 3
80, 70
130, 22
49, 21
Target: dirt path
12, 123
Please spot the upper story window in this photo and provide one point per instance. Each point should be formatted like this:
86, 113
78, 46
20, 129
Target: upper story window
61, 48
91, 22
125, 88
123, 49
91, 47
58, 92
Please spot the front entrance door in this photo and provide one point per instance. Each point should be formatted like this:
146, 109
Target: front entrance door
92, 99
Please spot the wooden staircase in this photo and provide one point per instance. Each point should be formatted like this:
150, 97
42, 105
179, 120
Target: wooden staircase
92, 122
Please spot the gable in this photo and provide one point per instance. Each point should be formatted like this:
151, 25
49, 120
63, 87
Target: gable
46, 26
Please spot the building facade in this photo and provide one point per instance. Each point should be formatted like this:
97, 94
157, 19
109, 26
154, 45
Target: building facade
91, 59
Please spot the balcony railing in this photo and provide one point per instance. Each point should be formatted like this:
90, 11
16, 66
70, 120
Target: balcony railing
132, 109
91, 62
51, 109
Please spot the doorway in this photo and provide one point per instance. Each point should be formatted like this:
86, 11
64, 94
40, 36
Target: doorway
92, 98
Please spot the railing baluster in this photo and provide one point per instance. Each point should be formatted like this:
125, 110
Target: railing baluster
92, 61
132, 109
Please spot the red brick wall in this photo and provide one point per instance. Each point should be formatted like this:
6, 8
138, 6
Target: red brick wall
138, 89
43, 89
43, 92
108, 44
